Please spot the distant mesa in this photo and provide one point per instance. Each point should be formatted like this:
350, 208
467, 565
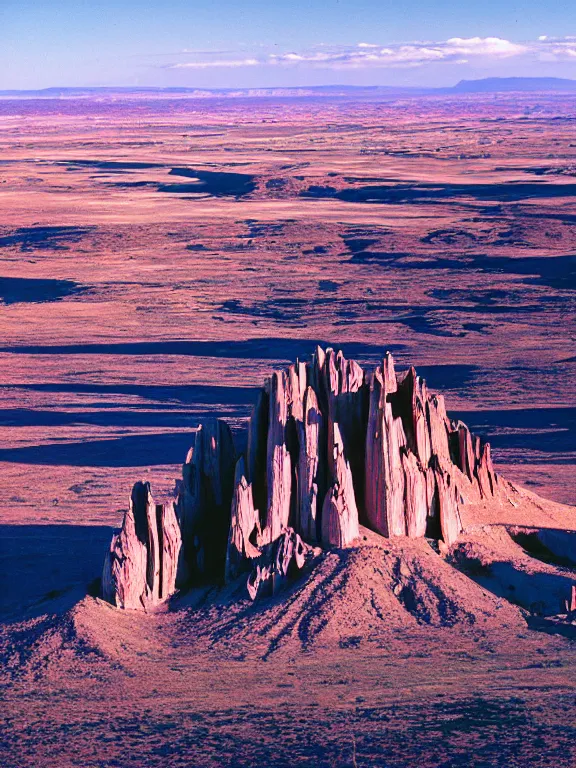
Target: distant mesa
330, 447
516, 84
324, 92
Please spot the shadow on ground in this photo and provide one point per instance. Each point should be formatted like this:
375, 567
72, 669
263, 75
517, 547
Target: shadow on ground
48, 568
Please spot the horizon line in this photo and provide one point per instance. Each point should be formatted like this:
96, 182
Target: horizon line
324, 86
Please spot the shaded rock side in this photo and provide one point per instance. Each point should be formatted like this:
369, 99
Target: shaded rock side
270, 563
279, 560
203, 504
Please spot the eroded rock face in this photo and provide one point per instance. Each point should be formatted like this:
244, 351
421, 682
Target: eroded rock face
344, 447
278, 461
329, 447
339, 513
309, 479
245, 531
385, 439
277, 561
140, 568
203, 503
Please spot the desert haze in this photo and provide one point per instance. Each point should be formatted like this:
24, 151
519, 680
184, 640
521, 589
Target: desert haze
381, 571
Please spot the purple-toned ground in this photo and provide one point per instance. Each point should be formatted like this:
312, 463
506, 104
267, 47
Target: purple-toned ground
157, 260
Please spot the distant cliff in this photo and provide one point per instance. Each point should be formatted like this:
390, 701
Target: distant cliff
507, 84
369, 93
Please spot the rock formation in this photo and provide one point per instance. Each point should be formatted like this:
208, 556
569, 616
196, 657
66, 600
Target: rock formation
203, 502
140, 568
245, 529
277, 561
330, 447
339, 513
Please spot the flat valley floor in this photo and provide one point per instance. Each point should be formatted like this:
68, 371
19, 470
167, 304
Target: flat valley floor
158, 258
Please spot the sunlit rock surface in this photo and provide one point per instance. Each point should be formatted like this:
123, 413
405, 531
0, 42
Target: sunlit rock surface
140, 568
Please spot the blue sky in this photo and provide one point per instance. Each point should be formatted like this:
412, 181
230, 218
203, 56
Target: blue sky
281, 42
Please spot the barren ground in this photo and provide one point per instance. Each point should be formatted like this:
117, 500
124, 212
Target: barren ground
157, 260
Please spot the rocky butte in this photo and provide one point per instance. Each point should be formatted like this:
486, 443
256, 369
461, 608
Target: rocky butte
330, 447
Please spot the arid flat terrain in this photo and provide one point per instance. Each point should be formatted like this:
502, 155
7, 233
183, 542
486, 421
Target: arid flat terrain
158, 258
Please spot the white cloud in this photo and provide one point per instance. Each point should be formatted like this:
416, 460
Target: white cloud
563, 38
230, 63
370, 55
564, 52
556, 48
457, 50
483, 46
289, 58
365, 55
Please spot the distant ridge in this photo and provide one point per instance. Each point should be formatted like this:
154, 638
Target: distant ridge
356, 92
524, 84
324, 91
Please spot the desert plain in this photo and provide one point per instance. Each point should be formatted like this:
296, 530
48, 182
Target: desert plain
159, 257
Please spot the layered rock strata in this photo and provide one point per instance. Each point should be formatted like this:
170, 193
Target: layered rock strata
329, 447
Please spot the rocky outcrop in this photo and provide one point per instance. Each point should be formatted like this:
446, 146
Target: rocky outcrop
245, 531
329, 447
277, 561
278, 461
416, 499
383, 472
339, 513
309, 463
203, 503
140, 568
448, 497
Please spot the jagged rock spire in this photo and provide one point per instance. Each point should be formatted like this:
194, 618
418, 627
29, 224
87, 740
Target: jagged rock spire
310, 481
329, 447
384, 475
245, 531
339, 513
203, 504
140, 568
278, 464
